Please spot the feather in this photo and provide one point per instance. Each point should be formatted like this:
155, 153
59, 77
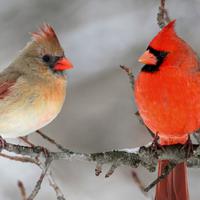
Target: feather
45, 32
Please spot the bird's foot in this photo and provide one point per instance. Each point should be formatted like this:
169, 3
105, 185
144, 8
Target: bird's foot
155, 144
188, 146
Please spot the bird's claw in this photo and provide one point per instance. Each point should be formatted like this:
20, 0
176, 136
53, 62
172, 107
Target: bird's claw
188, 146
155, 144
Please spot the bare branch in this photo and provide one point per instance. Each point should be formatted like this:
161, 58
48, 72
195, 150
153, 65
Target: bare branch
52, 141
54, 185
130, 75
138, 182
164, 174
25, 140
19, 158
197, 136
22, 190
39, 182
130, 157
162, 16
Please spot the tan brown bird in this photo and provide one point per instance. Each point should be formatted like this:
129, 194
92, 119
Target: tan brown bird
33, 86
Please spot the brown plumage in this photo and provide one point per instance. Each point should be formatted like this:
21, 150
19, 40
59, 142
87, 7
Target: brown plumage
32, 87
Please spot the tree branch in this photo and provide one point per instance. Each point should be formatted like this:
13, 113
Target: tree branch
22, 190
168, 168
130, 75
52, 182
54, 185
143, 156
162, 16
39, 182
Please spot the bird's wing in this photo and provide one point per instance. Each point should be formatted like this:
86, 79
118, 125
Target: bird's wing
7, 81
5, 88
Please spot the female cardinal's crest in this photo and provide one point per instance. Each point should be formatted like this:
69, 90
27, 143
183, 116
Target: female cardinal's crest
45, 32
47, 37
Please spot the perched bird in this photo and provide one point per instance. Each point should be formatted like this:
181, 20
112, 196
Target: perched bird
33, 86
167, 94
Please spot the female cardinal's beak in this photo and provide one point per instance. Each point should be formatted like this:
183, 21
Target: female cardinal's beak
148, 58
63, 64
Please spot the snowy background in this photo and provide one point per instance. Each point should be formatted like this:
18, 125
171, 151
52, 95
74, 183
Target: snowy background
98, 36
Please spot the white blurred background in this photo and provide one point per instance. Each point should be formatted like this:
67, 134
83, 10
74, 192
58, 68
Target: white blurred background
98, 36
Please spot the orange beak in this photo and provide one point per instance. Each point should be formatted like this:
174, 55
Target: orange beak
148, 58
63, 64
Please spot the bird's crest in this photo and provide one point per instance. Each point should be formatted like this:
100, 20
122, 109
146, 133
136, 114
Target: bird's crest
166, 38
47, 37
44, 32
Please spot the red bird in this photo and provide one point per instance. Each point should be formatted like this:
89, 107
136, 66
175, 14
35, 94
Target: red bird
167, 93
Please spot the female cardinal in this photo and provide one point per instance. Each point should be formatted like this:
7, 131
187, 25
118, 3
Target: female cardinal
167, 93
32, 87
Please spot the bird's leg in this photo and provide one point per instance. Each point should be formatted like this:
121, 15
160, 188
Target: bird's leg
155, 145
188, 146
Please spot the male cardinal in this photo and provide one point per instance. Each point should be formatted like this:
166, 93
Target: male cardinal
32, 87
167, 93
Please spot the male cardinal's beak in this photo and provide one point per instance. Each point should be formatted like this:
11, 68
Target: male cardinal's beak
63, 64
148, 58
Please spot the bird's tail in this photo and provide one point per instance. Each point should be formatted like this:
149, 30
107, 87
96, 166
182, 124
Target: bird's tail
174, 186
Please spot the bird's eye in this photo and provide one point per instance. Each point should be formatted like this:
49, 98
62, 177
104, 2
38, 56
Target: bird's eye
46, 58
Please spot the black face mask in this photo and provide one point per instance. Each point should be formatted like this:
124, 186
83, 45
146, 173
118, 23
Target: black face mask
160, 56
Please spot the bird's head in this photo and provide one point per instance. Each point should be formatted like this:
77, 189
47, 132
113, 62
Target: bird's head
44, 53
167, 49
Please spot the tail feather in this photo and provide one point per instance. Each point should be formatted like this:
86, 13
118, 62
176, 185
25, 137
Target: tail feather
174, 186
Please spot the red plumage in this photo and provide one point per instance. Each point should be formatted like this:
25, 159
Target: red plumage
168, 100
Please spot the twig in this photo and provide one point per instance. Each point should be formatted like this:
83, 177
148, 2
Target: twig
54, 185
197, 136
39, 182
25, 140
162, 16
130, 75
112, 169
19, 158
138, 182
167, 18
52, 141
22, 190
165, 173
132, 82
141, 121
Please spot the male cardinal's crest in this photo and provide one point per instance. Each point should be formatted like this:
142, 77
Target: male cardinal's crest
166, 38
